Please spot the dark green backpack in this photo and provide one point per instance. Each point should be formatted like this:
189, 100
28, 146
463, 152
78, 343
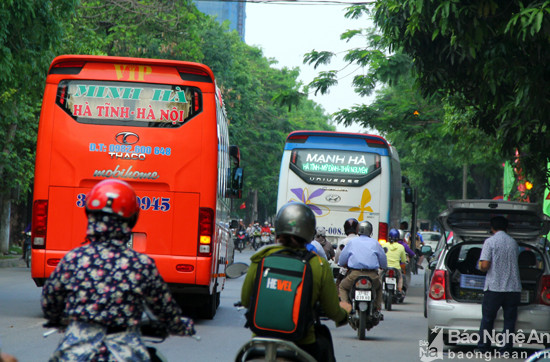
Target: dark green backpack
281, 300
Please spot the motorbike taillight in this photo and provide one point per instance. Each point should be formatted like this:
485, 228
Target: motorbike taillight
363, 284
391, 273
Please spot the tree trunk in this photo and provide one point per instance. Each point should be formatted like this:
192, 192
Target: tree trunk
5, 204
254, 205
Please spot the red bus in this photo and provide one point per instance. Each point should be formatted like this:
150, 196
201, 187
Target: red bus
161, 126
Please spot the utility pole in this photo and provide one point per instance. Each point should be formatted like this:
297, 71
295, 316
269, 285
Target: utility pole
464, 181
414, 205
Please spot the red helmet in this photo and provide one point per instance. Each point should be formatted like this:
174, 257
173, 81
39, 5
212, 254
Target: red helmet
115, 197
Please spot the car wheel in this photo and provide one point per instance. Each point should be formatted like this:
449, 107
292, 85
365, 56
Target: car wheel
425, 306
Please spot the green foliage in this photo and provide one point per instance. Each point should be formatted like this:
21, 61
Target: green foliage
492, 56
475, 73
148, 29
433, 143
29, 29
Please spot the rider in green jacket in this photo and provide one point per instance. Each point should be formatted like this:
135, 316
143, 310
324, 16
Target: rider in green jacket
295, 227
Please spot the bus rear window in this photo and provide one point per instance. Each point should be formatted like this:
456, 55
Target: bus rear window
129, 103
335, 166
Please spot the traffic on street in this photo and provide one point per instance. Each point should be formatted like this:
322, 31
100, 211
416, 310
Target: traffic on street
400, 336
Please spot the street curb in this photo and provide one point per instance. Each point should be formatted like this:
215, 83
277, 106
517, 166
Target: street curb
14, 262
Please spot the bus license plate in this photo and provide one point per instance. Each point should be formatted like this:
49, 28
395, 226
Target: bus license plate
362, 295
391, 281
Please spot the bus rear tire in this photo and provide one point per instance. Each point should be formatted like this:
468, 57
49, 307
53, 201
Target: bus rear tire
208, 309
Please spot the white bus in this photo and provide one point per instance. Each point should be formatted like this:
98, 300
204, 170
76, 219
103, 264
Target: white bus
342, 175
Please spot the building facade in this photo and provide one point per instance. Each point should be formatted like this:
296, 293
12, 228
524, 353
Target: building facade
234, 11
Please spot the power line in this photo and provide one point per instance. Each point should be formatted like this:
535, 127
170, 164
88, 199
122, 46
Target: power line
294, 2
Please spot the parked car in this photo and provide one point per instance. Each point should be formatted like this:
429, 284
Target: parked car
432, 257
455, 290
430, 238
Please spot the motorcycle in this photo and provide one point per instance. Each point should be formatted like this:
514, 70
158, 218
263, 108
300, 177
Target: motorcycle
240, 240
275, 349
265, 239
256, 238
363, 315
271, 349
28, 249
389, 289
152, 331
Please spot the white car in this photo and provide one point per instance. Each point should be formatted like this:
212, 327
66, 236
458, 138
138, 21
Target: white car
430, 238
455, 290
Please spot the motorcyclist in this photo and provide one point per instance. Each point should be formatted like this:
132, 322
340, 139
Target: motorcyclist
242, 227
362, 256
321, 238
350, 229
26, 239
414, 244
410, 253
295, 227
249, 233
98, 291
396, 256
254, 235
266, 228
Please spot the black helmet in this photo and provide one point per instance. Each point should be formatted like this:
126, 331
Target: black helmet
297, 219
394, 235
350, 226
364, 228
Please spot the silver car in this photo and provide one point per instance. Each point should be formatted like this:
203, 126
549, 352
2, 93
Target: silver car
430, 238
455, 289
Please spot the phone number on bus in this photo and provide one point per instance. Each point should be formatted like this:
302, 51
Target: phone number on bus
100, 147
145, 202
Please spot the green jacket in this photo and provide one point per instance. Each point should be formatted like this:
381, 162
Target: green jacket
324, 289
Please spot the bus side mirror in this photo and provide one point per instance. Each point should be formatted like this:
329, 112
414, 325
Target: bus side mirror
235, 189
237, 182
235, 156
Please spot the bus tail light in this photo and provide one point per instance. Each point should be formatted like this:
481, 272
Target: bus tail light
194, 74
67, 67
382, 232
297, 138
438, 285
544, 295
196, 102
39, 224
206, 231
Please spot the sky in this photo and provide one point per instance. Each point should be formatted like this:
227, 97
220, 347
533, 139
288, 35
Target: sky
286, 32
